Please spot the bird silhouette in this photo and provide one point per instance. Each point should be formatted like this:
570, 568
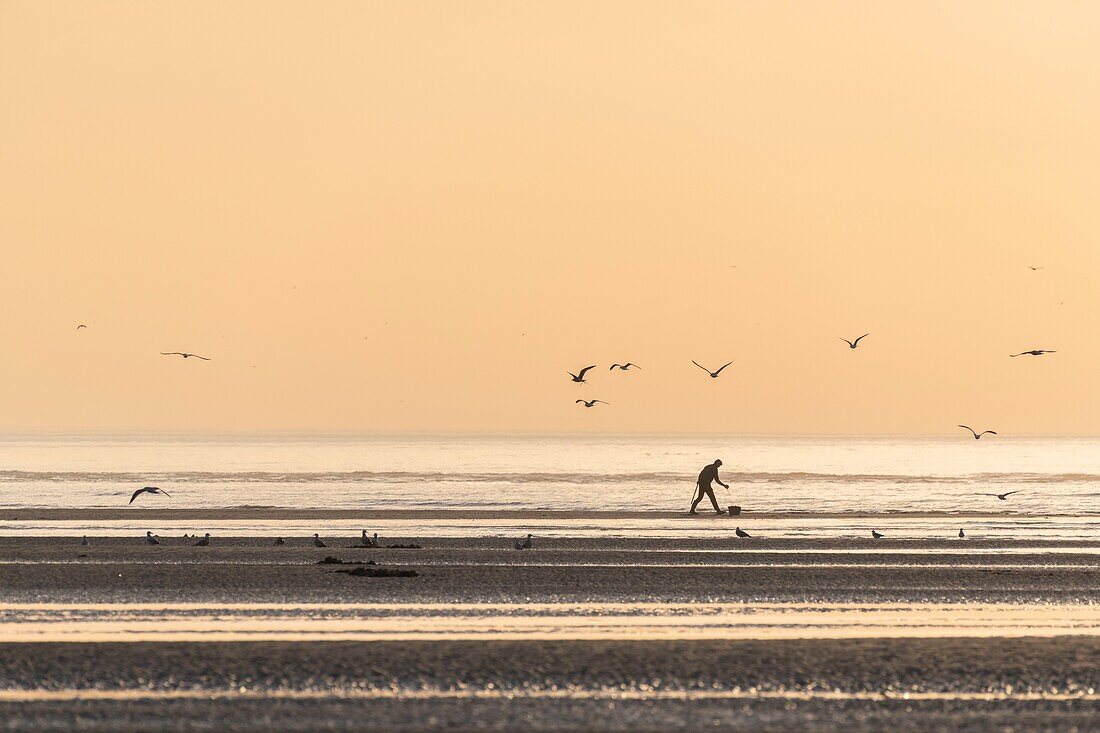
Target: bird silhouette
623, 367
962, 535
591, 403
1033, 269
84, 540
317, 542
877, 535
579, 378
148, 490
366, 541
976, 434
1035, 352
525, 543
853, 344
713, 375
150, 539
184, 354
80, 327
741, 533
1004, 496
204, 541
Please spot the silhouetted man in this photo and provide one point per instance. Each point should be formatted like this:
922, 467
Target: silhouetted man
706, 476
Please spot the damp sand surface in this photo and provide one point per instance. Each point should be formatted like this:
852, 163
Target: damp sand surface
591, 633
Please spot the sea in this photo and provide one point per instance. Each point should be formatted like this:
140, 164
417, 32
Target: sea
800, 478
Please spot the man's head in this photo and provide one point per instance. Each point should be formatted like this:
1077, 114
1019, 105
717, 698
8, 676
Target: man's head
717, 462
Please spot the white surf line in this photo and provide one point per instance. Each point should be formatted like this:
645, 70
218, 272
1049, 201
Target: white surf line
244, 693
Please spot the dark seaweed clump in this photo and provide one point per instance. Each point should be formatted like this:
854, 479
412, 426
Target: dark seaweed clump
380, 573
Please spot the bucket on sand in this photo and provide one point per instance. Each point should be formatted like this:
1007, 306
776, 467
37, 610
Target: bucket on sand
734, 511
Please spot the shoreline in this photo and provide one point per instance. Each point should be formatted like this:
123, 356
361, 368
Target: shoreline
62, 514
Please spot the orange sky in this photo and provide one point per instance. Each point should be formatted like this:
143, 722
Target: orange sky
395, 216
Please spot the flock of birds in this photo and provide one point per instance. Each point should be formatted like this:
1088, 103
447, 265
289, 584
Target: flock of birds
579, 377
521, 543
365, 540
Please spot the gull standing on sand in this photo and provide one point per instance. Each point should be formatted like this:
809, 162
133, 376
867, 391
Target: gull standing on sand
150, 539
84, 540
713, 375
976, 434
962, 535
524, 544
741, 533
317, 542
148, 490
365, 541
1004, 496
204, 541
877, 535
579, 378
184, 354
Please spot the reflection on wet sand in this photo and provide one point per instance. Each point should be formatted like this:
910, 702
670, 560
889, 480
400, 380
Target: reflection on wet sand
244, 693
602, 621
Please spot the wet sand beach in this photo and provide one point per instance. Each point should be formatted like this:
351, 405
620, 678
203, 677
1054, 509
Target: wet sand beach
251, 570
616, 633
1019, 684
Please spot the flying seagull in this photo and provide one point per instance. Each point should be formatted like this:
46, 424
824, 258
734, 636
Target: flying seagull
204, 541
317, 542
579, 378
590, 403
877, 535
150, 539
623, 367
976, 434
713, 375
1033, 269
80, 327
149, 490
1035, 352
853, 344
1004, 496
184, 354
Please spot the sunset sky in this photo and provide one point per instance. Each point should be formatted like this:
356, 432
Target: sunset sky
416, 216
